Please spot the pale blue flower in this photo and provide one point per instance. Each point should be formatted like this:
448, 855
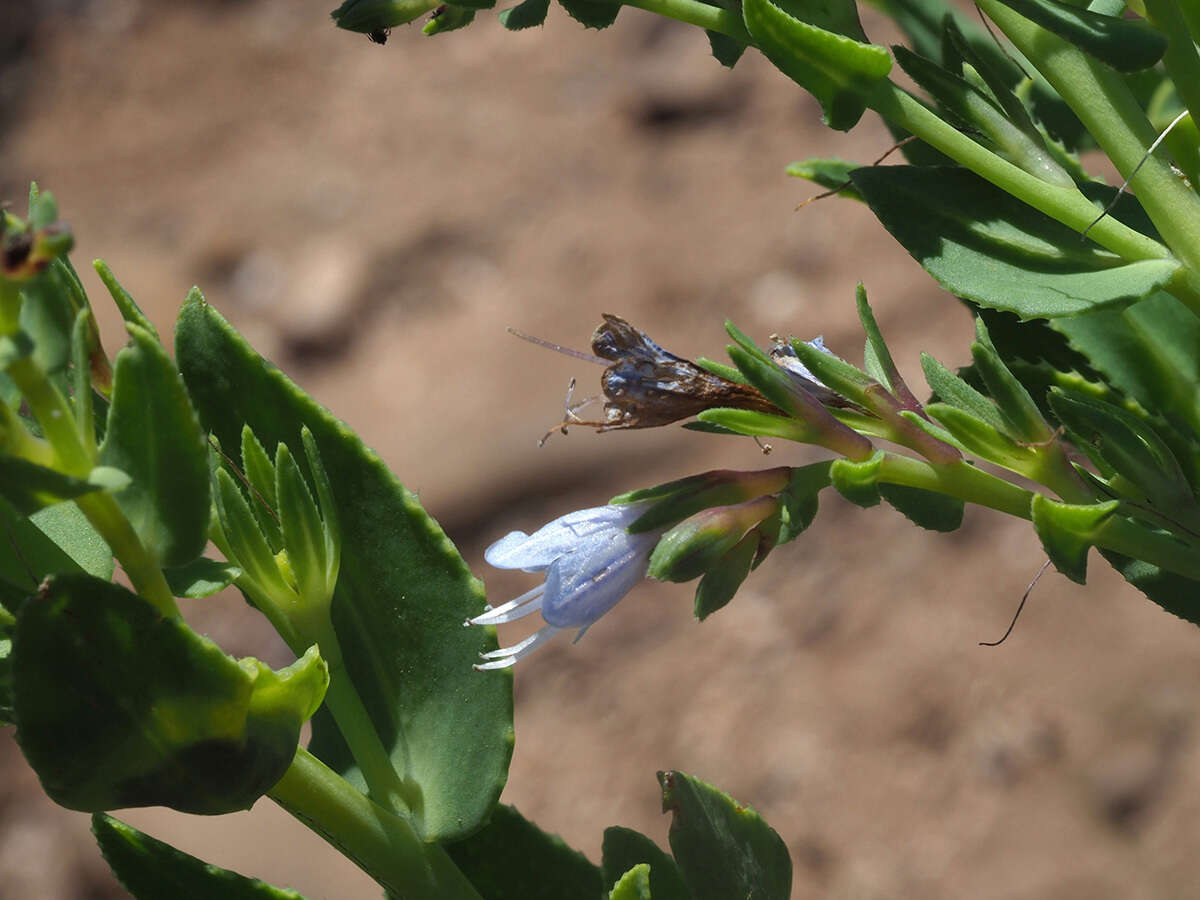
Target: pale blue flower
591, 561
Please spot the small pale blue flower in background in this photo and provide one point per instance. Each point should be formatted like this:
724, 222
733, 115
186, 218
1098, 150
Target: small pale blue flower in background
590, 561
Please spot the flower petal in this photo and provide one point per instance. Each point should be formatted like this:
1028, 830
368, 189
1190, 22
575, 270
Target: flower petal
564, 535
581, 588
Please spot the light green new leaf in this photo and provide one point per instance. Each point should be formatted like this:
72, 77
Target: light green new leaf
633, 885
152, 870
401, 598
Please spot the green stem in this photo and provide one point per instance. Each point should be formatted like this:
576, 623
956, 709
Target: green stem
1135, 540
54, 416
961, 480
694, 13
381, 843
1067, 205
1110, 112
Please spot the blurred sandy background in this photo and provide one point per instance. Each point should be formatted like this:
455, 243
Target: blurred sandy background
372, 218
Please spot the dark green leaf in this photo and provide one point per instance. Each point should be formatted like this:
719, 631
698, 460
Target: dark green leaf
401, 598
821, 47
201, 577
800, 499
367, 16
448, 17
513, 859
591, 13
1127, 45
928, 509
723, 848
625, 848
983, 244
530, 14
152, 870
6, 684
722, 578
725, 50
154, 437
117, 706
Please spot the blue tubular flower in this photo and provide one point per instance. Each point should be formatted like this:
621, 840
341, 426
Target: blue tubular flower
591, 561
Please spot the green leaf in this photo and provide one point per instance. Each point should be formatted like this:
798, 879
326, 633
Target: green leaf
800, 499
7, 715
401, 597
722, 578
201, 577
928, 509
117, 706
747, 421
831, 174
725, 50
530, 14
152, 870
259, 471
130, 311
981, 243
448, 17
49, 304
723, 848
1067, 531
1128, 45
1129, 446
821, 47
858, 482
512, 859
591, 13
1148, 351
69, 528
154, 437
367, 16
633, 885
1013, 401
1174, 593
30, 487
951, 389
982, 438
625, 848
300, 521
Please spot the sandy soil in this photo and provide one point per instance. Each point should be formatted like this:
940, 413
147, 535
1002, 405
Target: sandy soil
373, 218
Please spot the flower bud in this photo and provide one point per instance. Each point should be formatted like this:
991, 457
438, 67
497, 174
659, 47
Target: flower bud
694, 546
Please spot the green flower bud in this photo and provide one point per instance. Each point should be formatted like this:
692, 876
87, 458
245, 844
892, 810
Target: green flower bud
694, 546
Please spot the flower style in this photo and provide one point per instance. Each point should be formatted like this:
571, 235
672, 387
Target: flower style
591, 561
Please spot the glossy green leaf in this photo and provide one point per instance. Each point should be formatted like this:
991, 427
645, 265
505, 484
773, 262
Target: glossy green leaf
981, 243
1127, 45
591, 13
201, 577
152, 870
154, 437
529, 14
723, 848
625, 848
30, 487
512, 859
1067, 531
401, 598
118, 706
858, 482
633, 885
928, 509
821, 47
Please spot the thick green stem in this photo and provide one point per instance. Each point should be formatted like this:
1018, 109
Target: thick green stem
1110, 112
381, 843
961, 480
